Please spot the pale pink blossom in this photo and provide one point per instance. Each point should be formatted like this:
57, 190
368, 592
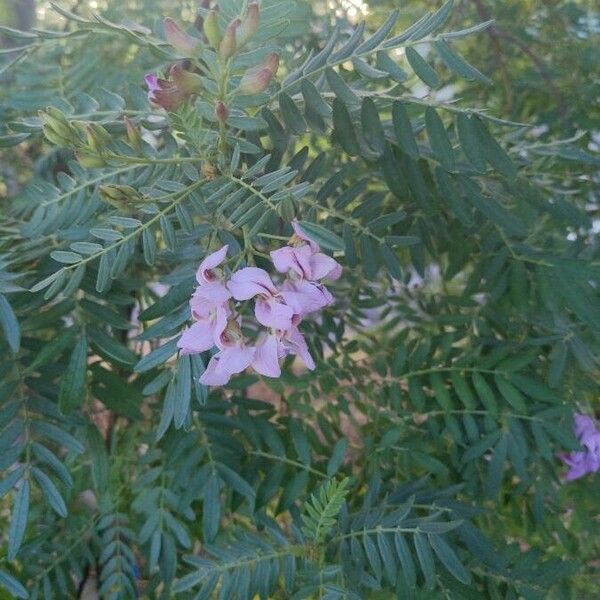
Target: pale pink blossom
234, 356
303, 262
270, 308
305, 297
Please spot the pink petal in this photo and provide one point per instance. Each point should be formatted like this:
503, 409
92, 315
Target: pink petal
296, 344
250, 281
151, 81
208, 296
296, 260
198, 338
300, 233
322, 266
213, 374
306, 296
266, 358
210, 262
273, 313
236, 359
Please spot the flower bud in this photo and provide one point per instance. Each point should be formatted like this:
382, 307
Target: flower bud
90, 161
249, 26
133, 134
272, 62
185, 81
221, 112
118, 195
212, 30
97, 137
228, 45
56, 122
255, 81
209, 171
182, 42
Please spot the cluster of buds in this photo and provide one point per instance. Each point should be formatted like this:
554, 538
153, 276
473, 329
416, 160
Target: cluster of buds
89, 140
237, 33
278, 309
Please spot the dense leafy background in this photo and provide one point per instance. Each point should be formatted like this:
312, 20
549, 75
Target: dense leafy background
459, 188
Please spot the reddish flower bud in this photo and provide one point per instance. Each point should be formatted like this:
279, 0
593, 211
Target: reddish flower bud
249, 26
221, 112
255, 81
228, 45
182, 42
211, 28
272, 62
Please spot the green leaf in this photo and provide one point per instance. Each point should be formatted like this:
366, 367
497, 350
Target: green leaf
439, 140
292, 117
314, 100
337, 457
50, 492
496, 468
485, 393
323, 237
211, 508
511, 394
403, 130
72, 387
421, 68
469, 140
458, 64
340, 88
10, 325
65, 257
344, 129
18, 520
112, 349
12, 586
406, 560
493, 152
371, 126
449, 559
425, 558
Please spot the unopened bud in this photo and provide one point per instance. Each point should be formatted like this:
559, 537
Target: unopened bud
212, 31
90, 161
56, 122
249, 26
255, 81
54, 137
118, 195
182, 42
209, 171
185, 81
97, 137
221, 112
133, 134
272, 62
228, 45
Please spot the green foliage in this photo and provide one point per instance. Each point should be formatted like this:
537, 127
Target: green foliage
419, 459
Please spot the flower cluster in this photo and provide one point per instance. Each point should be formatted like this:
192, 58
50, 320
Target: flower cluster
587, 460
278, 309
184, 80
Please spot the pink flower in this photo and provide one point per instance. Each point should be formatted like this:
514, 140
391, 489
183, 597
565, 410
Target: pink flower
266, 359
270, 308
233, 357
209, 306
164, 93
305, 263
202, 335
588, 459
305, 297
277, 345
